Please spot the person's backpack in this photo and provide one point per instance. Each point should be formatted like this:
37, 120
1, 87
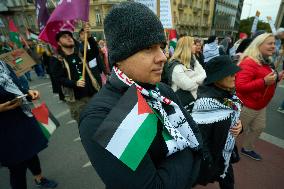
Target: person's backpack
167, 72
185, 97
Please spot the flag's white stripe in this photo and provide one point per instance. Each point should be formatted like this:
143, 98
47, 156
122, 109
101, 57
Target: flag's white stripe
125, 132
50, 127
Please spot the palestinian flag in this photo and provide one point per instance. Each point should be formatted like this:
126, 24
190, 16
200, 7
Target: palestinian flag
173, 38
31, 35
14, 35
47, 122
129, 129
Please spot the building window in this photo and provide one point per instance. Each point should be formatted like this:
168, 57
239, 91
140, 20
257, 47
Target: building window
98, 18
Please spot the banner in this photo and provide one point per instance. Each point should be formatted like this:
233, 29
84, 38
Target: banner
255, 21
19, 60
271, 24
63, 18
165, 11
41, 13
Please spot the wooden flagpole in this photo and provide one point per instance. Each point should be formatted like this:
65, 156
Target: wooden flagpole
85, 52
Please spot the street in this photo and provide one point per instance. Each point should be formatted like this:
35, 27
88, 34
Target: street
66, 161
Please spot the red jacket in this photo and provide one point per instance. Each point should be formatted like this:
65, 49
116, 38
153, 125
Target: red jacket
250, 86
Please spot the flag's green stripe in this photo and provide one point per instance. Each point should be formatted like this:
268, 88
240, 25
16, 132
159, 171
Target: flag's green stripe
166, 135
173, 44
44, 130
140, 143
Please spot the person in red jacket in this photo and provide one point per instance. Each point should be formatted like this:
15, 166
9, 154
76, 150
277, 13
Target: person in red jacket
255, 86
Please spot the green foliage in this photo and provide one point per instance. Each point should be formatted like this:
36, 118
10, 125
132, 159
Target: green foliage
246, 24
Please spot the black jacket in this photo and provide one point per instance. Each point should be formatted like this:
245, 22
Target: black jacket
214, 138
20, 136
59, 72
200, 59
156, 171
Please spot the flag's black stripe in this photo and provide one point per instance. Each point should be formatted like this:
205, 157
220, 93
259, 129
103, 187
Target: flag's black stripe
115, 117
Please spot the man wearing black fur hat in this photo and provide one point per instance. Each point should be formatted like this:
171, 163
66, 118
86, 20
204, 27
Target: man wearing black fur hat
135, 131
68, 70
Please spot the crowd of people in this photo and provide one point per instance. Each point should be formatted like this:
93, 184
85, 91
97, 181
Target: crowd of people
182, 111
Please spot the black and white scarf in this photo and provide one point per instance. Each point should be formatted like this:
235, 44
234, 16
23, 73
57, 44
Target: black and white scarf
210, 110
8, 85
178, 129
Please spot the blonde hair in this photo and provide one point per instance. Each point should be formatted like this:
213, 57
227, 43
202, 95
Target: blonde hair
183, 50
253, 49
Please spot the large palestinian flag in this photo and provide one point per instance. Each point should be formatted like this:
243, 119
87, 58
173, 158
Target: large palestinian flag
129, 129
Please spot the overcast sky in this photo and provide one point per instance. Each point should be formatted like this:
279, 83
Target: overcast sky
266, 8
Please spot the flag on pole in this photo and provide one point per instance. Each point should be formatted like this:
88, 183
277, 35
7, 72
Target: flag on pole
173, 40
42, 13
31, 35
63, 18
14, 35
129, 129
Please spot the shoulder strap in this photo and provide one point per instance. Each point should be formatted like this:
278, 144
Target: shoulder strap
67, 68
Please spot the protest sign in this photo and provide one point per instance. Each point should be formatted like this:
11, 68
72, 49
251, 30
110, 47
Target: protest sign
165, 11
19, 60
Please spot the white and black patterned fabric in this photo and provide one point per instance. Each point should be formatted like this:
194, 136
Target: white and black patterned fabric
175, 123
8, 85
210, 110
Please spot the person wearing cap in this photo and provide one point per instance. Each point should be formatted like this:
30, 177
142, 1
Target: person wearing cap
255, 86
68, 70
217, 111
167, 153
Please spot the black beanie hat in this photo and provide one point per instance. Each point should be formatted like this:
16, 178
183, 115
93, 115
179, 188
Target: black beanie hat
130, 27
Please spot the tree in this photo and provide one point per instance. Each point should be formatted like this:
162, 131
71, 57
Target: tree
246, 24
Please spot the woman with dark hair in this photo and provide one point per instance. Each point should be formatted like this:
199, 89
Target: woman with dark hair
21, 138
198, 52
217, 111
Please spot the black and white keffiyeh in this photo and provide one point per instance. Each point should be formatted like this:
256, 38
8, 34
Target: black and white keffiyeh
176, 124
8, 85
210, 110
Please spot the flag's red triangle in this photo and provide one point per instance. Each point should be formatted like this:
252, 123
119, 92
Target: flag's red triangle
12, 26
41, 113
143, 106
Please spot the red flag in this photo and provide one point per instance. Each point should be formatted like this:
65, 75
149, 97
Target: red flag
12, 26
63, 18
